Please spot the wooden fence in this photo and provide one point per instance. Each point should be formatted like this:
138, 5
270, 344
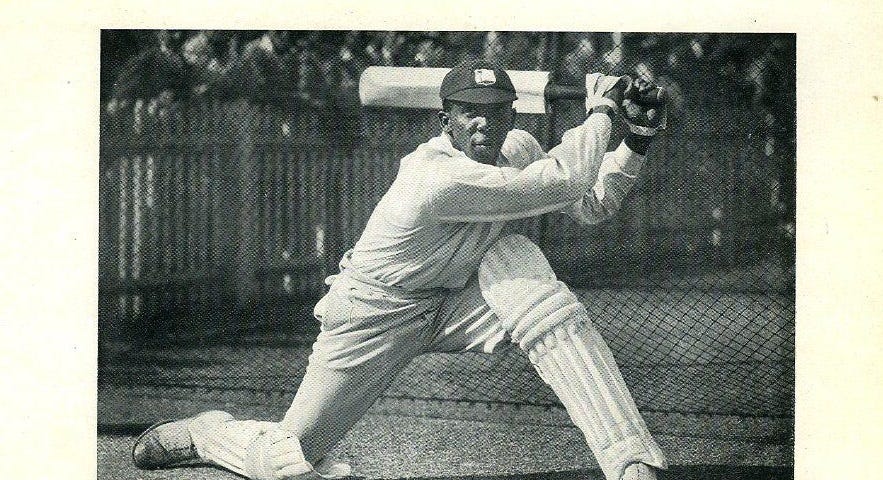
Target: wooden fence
225, 205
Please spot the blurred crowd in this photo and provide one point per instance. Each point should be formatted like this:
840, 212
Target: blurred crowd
321, 68
145, 72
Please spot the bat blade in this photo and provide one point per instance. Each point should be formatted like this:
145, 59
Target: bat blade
414, 87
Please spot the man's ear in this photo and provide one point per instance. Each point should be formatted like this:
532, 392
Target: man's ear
444, 120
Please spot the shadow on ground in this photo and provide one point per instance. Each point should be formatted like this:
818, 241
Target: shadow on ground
692, 472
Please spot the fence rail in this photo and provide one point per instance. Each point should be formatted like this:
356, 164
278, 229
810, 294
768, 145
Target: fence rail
229, 202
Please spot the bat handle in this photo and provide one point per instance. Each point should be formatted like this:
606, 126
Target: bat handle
564, 92
652, 97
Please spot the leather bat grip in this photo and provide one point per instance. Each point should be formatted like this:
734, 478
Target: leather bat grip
652, 97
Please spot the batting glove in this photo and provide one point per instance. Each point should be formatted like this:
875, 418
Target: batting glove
604, 90
644, 120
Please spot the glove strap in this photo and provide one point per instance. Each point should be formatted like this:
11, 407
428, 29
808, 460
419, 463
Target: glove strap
592, 102
643, 131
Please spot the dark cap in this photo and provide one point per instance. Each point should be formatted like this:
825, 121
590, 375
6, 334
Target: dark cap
478, 81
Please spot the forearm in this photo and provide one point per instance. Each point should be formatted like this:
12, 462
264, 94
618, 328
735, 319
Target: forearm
546, 185
616, 177
620, 168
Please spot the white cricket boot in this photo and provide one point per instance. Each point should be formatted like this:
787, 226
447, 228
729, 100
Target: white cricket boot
168, 444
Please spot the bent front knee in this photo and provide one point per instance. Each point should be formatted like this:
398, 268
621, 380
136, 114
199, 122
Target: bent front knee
513, 256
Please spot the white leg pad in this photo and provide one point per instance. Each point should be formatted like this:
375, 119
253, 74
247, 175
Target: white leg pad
253, 449
547, 321
576, 362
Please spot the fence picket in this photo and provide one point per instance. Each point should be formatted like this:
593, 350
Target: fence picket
213, 192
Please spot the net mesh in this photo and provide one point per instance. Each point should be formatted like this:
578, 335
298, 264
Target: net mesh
236, 167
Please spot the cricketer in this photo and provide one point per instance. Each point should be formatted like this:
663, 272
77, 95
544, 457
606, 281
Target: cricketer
433, 272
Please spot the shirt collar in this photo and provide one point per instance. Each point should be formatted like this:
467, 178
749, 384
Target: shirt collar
442, 144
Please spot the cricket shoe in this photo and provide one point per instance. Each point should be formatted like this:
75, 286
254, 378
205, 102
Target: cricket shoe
638, 471
167, 444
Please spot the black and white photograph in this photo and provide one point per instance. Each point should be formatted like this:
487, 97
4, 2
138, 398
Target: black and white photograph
441, 241
446, 254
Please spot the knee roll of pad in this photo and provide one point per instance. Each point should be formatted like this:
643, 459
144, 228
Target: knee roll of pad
520, 286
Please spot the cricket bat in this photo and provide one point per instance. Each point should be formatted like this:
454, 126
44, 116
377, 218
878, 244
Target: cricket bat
415, 87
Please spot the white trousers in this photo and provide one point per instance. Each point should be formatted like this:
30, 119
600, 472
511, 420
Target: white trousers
367, 337
369, 334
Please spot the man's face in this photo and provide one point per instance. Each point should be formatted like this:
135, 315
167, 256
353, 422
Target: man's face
478, 130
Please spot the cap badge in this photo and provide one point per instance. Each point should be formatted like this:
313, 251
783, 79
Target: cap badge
484, 76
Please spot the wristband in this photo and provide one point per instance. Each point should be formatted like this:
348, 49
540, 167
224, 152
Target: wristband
604, 109
638, 143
